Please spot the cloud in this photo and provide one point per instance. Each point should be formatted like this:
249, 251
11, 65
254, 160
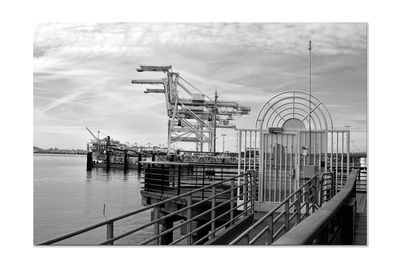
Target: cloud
82, 72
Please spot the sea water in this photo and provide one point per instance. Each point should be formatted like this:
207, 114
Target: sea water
68, 198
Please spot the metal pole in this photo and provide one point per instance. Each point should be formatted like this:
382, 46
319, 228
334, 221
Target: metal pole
309, 107
223, 142
215, 120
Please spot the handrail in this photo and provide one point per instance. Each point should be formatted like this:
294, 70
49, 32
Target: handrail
310, 196
304, 232
247, 187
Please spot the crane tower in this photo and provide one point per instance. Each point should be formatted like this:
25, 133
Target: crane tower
193, 116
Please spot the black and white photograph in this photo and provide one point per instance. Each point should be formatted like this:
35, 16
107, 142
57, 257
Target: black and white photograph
200, 133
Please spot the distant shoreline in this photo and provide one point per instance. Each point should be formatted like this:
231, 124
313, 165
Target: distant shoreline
59, 153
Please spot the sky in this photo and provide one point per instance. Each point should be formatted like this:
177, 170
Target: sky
83, 73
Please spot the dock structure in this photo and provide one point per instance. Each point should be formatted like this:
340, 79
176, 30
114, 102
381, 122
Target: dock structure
192, 115
284, 186
111, 154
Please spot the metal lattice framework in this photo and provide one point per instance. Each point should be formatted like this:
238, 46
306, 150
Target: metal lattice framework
193, 116
291, 108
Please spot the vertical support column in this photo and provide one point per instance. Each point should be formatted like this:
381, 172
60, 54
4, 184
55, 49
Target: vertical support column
341, 161
213, 202
179, 180
110, 231
261, 166
336, 161
348, 154
189, 217
245, 193
126, 162
307, 198
232, 202
314, 193
349, 217
156, 215
275, 168
270, 223
108, 160
298, 205
139, 164
89, 161
287, 215
239, 151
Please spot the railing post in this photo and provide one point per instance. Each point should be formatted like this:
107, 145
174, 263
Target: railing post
298, 205
179, 179
287, 215
163, 179
252, 177
314, 193
213, 201
307, 198
270, 223
202, 191
245, 192
110, 231
156, 225
189, 218
232, 202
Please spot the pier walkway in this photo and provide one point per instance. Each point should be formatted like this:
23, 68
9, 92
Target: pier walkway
225, 212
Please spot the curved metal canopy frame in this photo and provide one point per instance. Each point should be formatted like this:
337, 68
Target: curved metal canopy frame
294, 104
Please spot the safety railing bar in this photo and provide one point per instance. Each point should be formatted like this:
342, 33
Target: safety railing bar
163, 218
262, 219
292, 217
226, 223
183, 223
193, 218
67, 236
212, 232
261, 233
201, 227
279, 216
278, 232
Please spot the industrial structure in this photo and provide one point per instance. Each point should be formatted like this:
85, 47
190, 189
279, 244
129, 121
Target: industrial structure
193, 116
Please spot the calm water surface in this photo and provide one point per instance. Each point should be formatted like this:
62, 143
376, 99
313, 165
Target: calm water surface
67, 198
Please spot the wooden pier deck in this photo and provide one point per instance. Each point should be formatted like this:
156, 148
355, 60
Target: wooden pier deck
361, 226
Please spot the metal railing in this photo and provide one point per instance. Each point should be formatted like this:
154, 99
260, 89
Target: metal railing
295, 208
326, 224
361, 181
223, 210
175, 178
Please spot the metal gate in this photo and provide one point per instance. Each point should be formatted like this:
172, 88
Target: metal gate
280, 159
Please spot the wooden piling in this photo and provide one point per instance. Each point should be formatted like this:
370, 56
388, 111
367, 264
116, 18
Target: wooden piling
126, 162
89, 161
139, 164
108, 161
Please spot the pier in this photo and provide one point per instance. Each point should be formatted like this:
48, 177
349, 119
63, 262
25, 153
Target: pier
284, 185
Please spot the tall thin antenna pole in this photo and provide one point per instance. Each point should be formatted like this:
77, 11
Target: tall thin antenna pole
309, 106
215, 121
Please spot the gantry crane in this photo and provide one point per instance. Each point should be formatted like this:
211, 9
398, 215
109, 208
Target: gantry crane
193, 116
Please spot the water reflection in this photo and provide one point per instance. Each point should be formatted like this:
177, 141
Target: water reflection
67, 197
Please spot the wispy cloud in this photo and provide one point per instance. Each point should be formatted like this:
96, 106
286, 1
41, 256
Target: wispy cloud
82, 72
